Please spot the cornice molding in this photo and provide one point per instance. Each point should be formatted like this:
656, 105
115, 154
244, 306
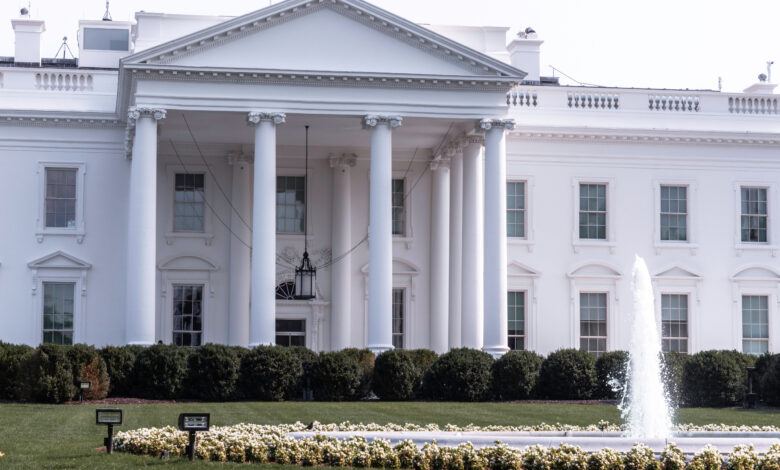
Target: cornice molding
256, 117
373, 120
319, 78
31, 120
646, 137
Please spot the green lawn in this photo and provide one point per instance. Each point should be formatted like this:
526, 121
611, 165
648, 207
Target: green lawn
65, 436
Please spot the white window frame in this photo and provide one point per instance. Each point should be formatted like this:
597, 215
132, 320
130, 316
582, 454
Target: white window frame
203, 312
60, 267
288, 172
79, 230
521, 278
594, 283
188, 269
529, 239
297, 238
207, 235
405, 334
312, 311
576, 241
404, 277
766, 286
408, 236
772, 225
691, 219
685, 282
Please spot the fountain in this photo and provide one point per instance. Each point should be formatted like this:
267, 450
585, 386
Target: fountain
645, 407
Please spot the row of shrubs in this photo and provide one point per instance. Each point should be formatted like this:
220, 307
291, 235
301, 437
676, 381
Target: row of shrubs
50, 373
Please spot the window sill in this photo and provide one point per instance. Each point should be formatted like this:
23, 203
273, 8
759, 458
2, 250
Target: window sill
171, 237
663, 245
59, 232
578, 244
741, 247
516, 241
407, 240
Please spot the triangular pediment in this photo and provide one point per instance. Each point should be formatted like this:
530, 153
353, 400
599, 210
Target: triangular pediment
757, 273
59, 260
399, 267
595, 270
325, 35
188, 263
518, 269
677, 272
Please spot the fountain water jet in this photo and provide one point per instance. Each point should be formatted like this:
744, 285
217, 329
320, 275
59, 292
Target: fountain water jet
645, 407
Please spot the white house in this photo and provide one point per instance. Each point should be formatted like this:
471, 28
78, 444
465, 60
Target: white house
156, 190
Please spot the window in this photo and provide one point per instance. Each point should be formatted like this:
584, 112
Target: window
674, 213
291, 332
58, 312
61, 197
188, 207
593, 322
398, 318
290, 204
103, 39
516, 318
755, 324
674, 322
754, 214
187, 315
515, 209
399, 208
593, 211
285, 291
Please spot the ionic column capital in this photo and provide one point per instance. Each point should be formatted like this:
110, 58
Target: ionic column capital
438, 164
237, 158
488, 124
134, 113
472, 139
256, 117
373, 120
345, 160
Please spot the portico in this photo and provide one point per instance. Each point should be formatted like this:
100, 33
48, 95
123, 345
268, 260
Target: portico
391, 145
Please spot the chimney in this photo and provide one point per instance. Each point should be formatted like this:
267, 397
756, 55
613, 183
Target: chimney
27, 34
524, 54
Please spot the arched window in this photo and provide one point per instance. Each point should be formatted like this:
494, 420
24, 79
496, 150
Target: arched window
285, 291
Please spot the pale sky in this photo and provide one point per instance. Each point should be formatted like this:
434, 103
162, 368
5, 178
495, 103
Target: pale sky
627, 43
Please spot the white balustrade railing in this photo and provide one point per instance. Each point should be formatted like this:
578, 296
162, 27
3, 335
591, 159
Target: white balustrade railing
593, 100
752, 105
673, 103
522, 98
64, 81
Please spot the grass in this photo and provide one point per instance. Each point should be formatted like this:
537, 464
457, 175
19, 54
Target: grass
66, 437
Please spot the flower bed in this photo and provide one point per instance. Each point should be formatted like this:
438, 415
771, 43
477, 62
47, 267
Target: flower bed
271, 444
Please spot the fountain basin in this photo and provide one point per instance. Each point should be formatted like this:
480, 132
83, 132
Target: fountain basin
688, 442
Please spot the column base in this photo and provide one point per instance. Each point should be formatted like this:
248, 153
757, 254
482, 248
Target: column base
496, 351
378, 349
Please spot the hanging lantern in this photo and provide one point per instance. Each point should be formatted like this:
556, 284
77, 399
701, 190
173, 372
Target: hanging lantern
305, 274
304, 279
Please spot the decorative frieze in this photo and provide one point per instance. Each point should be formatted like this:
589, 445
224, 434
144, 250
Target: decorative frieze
373, 120
256, 117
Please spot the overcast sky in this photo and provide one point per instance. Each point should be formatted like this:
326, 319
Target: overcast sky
627, 43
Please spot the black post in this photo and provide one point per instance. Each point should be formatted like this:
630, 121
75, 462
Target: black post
109, 441
81, 396
191, 447
751, 398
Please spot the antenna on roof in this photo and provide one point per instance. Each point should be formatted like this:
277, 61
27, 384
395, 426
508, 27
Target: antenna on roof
107, 14
64, 48
769, 64
720, 83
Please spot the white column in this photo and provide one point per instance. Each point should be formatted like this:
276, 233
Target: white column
341, 270
456, 245
140, 313
240, 272
440, 251
495, 341
472, 288
262, 327
380, 236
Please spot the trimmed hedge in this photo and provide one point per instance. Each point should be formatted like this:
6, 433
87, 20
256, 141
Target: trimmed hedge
568, 374
47, 375
302, 388
611, 374
365, 361
395, 376
212, 373
460, 375
120, 361
159, 371
87, 364
337, 377
770, 381
268, 373
423, 359
672, 373
515, 375
715, 378
11, 356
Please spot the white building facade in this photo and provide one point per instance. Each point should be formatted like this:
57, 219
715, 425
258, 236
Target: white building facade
156, 190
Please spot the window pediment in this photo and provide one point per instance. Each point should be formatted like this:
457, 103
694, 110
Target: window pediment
520, 270
188, 263
756, 273
595, 270
677, 272
399, 267
59, 260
